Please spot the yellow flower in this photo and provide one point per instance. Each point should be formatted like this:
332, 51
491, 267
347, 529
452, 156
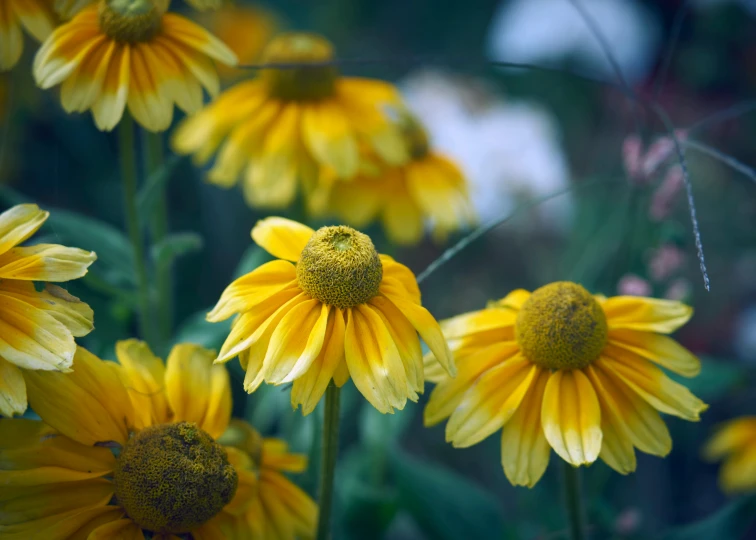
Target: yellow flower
35, 16
59, 478
735, 443
428, 186
562, 369
68, 8
343, 310
282, 126
130, 52
37, 328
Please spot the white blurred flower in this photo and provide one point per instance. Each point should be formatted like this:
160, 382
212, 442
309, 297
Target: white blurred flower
544, 31
745, 334
509, 151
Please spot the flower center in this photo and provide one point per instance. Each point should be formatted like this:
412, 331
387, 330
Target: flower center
561, 326
131, 21
172, 478
340, 267
301, 83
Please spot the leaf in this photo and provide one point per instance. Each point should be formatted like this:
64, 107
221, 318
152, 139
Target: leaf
717, 378
445, 505
174, 246
732, 521
153, 187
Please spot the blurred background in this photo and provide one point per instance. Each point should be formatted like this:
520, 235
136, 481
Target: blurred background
620, 226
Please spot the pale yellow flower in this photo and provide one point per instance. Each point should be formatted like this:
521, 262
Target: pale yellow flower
34, 16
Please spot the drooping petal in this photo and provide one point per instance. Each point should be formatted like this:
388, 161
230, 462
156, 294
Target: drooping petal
18, 223
738, 472
514, 300
198, 390
571, 417
94, 386
78, 523
403, 219
478, 321
402, 274
122, 529
144, 378
524, 449
12, 389
616, 449
45, 262
731, 437
68, 310
327, 133
196, 37
663, 350
490, 402
646, 314
108, 109
281, 237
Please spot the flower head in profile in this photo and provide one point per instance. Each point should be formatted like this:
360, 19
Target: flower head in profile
278, 129
38, 327
341, 311
36, 17
173, 473
429, 186
119, 53
735, 444
559, 368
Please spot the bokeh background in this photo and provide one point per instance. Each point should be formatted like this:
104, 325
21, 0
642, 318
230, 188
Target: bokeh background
519, 135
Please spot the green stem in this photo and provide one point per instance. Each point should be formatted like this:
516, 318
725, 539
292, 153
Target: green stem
573, 501
153, 153
328, 460
129, 180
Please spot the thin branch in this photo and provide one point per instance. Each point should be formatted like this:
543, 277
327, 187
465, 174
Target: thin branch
734, 111
724, 158
674, 38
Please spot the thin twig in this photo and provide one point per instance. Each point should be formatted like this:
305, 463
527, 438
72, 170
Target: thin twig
724, 158
734, 111
661, 78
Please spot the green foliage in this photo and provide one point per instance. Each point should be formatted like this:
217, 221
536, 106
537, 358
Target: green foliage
730, 523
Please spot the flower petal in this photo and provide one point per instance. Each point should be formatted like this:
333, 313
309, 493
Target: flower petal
18, 223
281, 237
68, 310
45, 262
12, 389
77, 523
514, 300
403, 275
738, 472
732, 437
198, 390
478, 321
122, 529
646, 314
525, 451
616, 449
571, 417
144, 378
328, 135
490, 402
663, 350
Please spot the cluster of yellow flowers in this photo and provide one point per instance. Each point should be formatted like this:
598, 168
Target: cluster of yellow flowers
141, 445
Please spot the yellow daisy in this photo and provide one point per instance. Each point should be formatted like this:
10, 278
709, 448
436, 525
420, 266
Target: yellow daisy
130, 52
562, 369
343, 310
37, 327
428, 186
735, 443
59, 478
280, 127
34, 16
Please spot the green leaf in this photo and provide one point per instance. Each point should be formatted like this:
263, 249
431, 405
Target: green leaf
732, 521
174, 246
445, 505
153, 187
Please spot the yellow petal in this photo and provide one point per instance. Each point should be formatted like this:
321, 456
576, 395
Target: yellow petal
144, 378
632, 417
616, 449
196, 37
514, 300
328, 135
12, 389
94, 386
341, 375
403, 219
646, 314
36, 16
490, 402
663, 350
249, 290
310, 387
276, 456
23, 504
477, 321
447, 396
524, 449
45, 262
738, 472
281, 237
571, 417
287, 506
18, 223
373, 360
402, 274
33, 453
198, 390
732, 437
108, 109
76, 524
296, 342
122, 529
650, 383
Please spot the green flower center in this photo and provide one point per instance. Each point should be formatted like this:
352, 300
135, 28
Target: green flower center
561, 326
340, 267
301, 83
131, 21
172, 478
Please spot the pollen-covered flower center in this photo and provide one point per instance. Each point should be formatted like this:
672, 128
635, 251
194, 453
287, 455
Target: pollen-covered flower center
172, 478
300, 83
561, 326
340, 267
131, 21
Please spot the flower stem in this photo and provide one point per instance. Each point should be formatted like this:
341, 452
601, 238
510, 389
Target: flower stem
153, 154
573, 501
328, 460
129, 180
